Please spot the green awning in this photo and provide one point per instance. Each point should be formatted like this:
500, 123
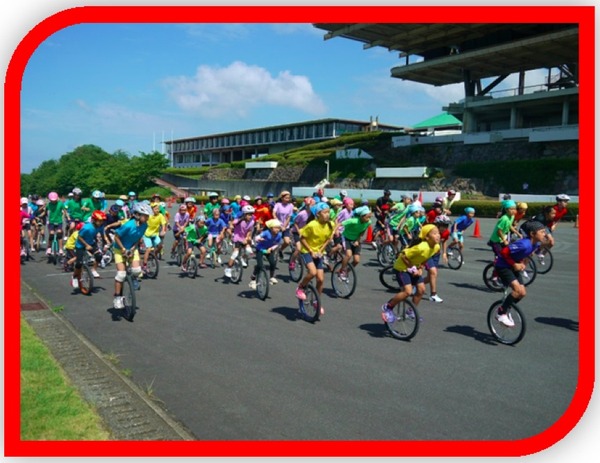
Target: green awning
441, 120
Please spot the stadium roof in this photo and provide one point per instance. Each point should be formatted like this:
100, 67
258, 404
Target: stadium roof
441, 54
439, 121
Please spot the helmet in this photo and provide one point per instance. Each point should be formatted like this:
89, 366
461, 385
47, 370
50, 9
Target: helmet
270, 195
224, 201
387, 192
562, 197
200, 218
273, 223
343, 193
348, 201
532, 226
156, 195
284, 193
522, 205
362, 211
76, 191
182, 208
190, 199
119, 203
256, 198
508, 204
53, 196
96, 194
79, 226
439, 199
385, 207
70, 194
226, 207
412, 209
24, 201
98, 215
451, 192
212, 194
248, 209
309, 201
40, 202
442, 220
131, 193
142, 208
247, 198
468, 210
35, 197
114, 208
507, 196
123, 197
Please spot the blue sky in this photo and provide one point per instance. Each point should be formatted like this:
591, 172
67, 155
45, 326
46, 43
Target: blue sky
126, 86
131, 86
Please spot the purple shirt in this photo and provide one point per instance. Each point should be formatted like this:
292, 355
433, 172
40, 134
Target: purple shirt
241, 229
283, 212
301, 219
180, 220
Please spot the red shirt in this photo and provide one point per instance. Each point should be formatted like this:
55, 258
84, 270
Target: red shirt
560, 213
262, 213
431, 215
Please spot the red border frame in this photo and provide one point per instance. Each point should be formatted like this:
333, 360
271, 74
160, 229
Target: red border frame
583, 15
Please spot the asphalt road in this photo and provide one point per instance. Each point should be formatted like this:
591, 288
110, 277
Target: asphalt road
232, 367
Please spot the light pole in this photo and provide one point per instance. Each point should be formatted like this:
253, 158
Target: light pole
327, 177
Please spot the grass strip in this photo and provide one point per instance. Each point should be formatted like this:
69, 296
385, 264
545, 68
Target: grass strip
51, 408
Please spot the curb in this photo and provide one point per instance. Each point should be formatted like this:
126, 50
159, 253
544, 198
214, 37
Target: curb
126, 411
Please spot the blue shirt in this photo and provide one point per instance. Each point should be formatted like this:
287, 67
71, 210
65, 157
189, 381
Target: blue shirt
519, 250
268, 240
463, 222
130, 233
88, 233
215, 226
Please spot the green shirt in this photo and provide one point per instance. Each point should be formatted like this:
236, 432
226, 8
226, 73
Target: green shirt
354, 228
74, 209
504, 223
208, 208
195, 234
55, 212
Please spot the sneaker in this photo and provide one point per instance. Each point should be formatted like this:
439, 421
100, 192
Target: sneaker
48, 251
410, 313
388, 316
61, 253
248, 250
343, 276
273, 281
219, 260
227, 272
244, 263
23, 253
293, 265
74, 283
252, 284
505, 319
300, 294
436, 298
525, 275
118, 302
95, 274
203, 265
183, 268
374, 245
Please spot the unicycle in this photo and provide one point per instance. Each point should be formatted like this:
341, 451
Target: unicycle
344, 284
404, 322
506, 334
310, 308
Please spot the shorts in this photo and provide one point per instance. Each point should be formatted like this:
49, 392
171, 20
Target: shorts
82, 255
287, 233
458, 236
309, 259
405, 278
152, 241
349, 244
199, 245
120, 257
55, 228
433, 261
508, 275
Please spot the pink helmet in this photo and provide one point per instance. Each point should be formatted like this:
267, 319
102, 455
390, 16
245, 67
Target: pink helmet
224, 201
183, 208
53, 196
348, 201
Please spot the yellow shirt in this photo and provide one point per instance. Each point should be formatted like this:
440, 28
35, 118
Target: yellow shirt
417, 255
316, 234
71, 240
155, 222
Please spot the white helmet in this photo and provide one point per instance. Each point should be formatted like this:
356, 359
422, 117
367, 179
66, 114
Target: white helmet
96, 194
248, 209
76, 191
142, 208
24, 201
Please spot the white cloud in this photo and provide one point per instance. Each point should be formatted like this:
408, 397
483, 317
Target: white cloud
236, 89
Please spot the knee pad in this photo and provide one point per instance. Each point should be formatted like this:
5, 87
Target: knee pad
136, 271
121, 276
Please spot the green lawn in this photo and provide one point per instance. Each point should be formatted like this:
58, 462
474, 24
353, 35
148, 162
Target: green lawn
51, 408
